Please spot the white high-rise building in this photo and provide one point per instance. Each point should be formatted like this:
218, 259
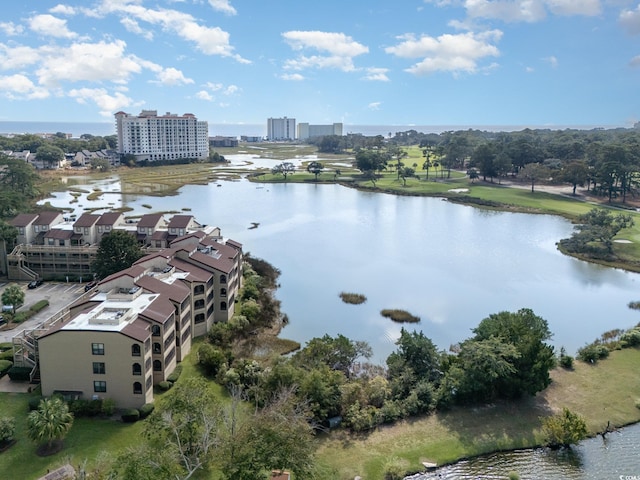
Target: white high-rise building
154, 137
306, 130
281, 129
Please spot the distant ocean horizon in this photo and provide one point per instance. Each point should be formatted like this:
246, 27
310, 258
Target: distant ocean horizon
260, 130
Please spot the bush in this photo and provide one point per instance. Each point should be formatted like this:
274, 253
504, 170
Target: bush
211, 359
85, 408
7, 429
164, 385
631, 338
146, 410
36, 307
130, 415
394, 469
108, 407
173, 378
566, 361
19, 373
7, 355
593, 352
5, 365
34, 403
6, 346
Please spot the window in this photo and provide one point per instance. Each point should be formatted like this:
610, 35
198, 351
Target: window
223, 279
157, 366
155, 330
98, 368
157, 348
137, 388
223, 305
223, 292
136, 369
97, 348
99, 386
198, 290
198, 304
135, 350
199, 318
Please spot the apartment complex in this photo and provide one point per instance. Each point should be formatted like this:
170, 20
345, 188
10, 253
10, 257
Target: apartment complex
52, 246
306, 130
281, 129
128, 334
152, 137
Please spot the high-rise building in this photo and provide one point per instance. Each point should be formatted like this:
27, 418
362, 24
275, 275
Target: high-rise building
154, 137
281, 128
306, 130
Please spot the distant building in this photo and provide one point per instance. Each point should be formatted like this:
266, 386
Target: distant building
281, 129
154, 137
306, 130
219, 141
250, 139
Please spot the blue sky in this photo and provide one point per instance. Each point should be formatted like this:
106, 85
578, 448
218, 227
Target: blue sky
407, 62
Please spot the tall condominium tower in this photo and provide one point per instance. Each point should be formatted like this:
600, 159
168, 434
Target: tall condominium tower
281, 128
154, 137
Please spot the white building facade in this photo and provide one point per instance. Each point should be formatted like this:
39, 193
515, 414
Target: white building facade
306, 130
281, 129
152, 137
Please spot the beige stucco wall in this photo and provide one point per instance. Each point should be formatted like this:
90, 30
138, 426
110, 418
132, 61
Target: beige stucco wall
66, 363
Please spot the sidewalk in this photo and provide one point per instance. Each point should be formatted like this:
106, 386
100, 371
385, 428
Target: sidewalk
6, 385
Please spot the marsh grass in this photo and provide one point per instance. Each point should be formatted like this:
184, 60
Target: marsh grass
399, 316
353, 298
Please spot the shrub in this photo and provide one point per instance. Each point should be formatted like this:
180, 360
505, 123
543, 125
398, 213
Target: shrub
173, 378
6, 346
211, 359
566, 361
5, 365
593, 352
394, 469
6, 355
36, 307
164, 385
631, 338
85, 408
19, 373
7, 429
34, 403
130, 415
108, 407
514, 476
564, 429
146, 410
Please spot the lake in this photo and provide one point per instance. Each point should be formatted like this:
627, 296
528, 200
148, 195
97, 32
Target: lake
451, 265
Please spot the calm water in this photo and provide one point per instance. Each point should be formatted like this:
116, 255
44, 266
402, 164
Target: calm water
450, 265
616, 458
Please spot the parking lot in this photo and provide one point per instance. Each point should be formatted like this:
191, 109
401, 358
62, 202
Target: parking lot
58, 294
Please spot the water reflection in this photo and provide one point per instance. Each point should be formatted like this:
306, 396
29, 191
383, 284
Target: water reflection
594, 459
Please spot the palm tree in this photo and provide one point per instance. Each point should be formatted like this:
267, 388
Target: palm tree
50, 422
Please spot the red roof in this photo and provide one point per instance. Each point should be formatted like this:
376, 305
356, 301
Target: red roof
23, 219
150, 220
86, 220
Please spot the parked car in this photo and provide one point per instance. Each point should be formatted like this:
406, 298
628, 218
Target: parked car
3, 322
89, 286
35, 283
7, 308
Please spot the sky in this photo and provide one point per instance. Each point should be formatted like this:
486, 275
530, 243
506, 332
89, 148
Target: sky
405, 62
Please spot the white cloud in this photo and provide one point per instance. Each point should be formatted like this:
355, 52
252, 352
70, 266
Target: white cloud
635, 62
376, 74
92, 62
529, 69
208, 40
552, 60
171, 77
294, 77
134, 27
524, 10
20, 86
15, 58
108, 104
341, 50
231, 89
214, 86
50, 26
223, 6
10, 29
374, 105
451, 53
204, 95
630, 20
63, 9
